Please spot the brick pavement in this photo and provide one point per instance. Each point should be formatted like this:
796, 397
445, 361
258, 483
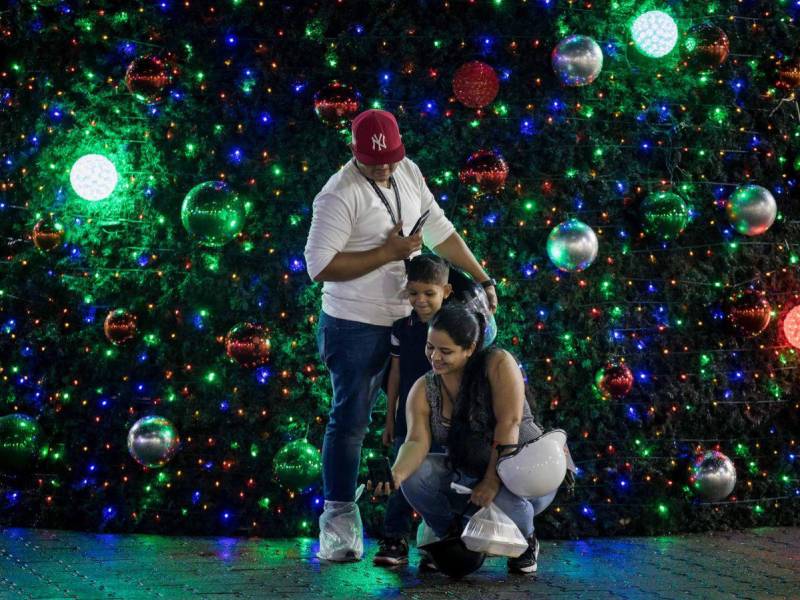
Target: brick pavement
758, 564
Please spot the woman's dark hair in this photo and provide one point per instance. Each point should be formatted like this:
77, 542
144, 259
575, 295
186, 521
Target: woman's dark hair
472, 423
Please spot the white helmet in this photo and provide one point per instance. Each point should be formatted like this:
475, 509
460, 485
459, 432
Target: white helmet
536, 468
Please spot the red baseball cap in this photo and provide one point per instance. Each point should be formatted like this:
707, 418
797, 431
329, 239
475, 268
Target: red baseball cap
376, 138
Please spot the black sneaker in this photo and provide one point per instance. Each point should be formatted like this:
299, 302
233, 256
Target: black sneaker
525, 563
426, 564
392, 552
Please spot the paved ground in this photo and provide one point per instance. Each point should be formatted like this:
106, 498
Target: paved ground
760, 563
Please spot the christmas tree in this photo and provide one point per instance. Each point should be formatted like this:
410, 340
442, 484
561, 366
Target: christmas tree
627, 171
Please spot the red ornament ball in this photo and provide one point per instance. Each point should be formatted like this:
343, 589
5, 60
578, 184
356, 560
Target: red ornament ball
120, 326
791, 326
47, 235
749, 313
248, 344
148, 78
789, 74
336, 104
475, 84
706, 46
486, 169
615, 380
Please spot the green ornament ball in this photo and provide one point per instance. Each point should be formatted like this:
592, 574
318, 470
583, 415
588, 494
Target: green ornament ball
664, 215
297, 465
19, 442
213, 213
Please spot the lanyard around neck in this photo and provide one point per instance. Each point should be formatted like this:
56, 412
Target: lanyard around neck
381, 195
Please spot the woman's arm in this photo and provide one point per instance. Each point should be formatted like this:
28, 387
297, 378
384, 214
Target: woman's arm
508, 395
418, 439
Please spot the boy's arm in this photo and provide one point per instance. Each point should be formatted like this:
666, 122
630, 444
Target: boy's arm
392, 395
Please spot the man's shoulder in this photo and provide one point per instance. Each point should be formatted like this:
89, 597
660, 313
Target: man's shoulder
408, 168
341, 184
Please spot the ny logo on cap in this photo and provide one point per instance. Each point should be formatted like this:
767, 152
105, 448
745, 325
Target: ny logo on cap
378, 141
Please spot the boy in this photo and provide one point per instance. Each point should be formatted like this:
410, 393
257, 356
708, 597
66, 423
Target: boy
427, 289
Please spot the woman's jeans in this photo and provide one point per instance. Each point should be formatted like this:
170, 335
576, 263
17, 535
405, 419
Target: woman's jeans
356, 355
428, 491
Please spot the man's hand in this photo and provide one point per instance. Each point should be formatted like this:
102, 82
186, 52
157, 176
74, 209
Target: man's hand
398, 247
491, 295
484, 493
388, 432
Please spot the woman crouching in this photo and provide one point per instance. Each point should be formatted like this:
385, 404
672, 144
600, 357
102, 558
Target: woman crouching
472, 401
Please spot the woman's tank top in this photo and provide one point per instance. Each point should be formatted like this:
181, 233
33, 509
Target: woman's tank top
440, 425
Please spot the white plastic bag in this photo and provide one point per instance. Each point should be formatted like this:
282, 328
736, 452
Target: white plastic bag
425, 534
341, 537
490, 530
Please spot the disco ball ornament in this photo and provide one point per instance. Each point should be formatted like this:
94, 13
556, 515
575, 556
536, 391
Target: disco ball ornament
248, 344
93, 177
749, 313
752, 209
19, 443
572, 245
336, 104
577, 60
120, 326
654, 33
486, 170
47, 234
615, 380
664, 215
706, 46
788, 74
148, 79
152, 441
475, 84
791, 326
297, 465
212, 213
714, 476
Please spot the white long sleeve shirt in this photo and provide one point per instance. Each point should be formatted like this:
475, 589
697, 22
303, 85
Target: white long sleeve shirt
350, 217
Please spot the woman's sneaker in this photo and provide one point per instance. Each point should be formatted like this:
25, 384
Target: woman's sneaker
525, 563
392, 552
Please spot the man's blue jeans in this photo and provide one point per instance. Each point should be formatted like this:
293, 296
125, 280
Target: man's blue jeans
356, 355
428, 491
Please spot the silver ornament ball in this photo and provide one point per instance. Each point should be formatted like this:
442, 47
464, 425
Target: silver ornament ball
572, 245
152, 441
752, 209
577, 60
715, 476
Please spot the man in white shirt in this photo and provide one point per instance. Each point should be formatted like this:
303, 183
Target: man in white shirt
360, 235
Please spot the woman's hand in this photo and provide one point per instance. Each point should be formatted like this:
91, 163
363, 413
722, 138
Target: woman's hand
485, 492
398, 477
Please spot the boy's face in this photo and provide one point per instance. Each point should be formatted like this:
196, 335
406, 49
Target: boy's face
426, 298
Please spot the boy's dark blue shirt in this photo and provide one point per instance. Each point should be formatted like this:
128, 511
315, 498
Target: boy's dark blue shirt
409, 336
